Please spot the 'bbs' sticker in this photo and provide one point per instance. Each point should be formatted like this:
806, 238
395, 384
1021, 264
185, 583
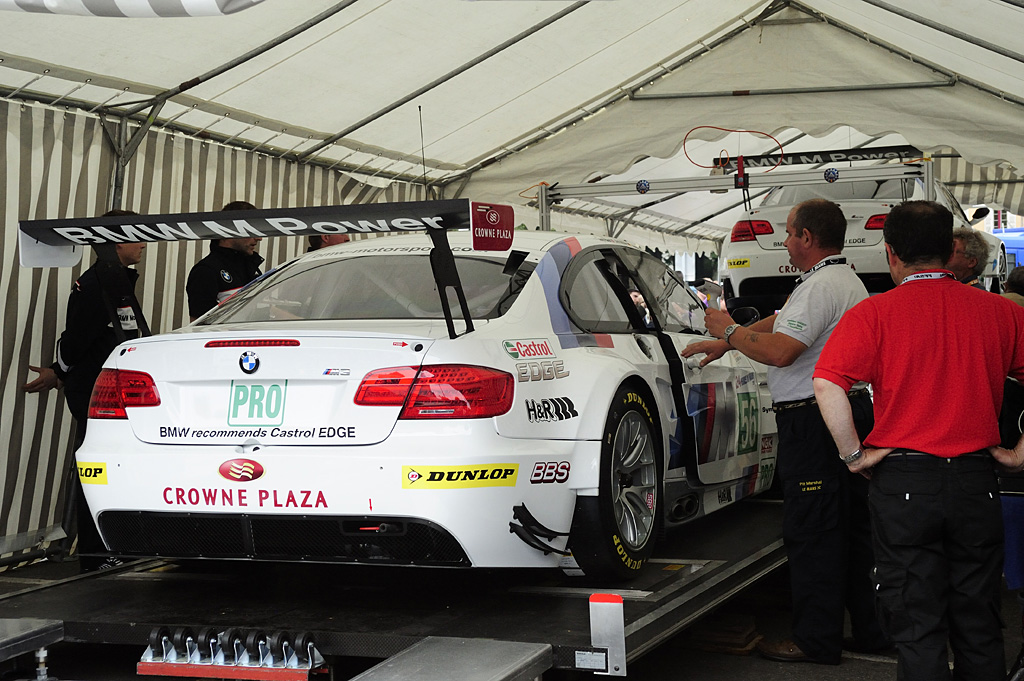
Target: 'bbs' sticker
549, 471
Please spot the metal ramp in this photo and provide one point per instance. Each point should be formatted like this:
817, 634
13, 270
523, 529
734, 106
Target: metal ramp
381, 612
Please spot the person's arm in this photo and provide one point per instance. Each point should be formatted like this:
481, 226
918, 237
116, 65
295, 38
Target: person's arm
758, 341
838, 415
715, 349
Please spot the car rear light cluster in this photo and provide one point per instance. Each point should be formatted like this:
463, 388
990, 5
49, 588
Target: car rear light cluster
440, 391
116, 389
749, 230
875, 222
253, 343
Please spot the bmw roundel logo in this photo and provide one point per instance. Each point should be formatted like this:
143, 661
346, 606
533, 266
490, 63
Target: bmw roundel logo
643, 186
249, 362
831, 175
226, 276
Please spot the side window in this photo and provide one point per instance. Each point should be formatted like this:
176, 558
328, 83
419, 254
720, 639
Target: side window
589, 298
674, 304
952, 203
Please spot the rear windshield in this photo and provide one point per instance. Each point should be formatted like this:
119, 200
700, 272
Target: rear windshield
878, 190
398, 286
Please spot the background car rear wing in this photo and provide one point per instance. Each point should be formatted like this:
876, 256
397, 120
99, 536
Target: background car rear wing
60, 243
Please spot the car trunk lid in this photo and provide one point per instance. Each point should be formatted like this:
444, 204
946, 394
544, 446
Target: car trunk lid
294, 389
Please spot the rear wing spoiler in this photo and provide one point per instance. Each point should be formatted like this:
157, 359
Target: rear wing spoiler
61, 243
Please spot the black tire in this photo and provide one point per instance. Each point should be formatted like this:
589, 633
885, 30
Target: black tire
613, 534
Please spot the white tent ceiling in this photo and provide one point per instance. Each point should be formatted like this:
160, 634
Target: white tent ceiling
488, 98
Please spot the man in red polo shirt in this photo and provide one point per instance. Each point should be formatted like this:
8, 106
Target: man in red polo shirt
936, 354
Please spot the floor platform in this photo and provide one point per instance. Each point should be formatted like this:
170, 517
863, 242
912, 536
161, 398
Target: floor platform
377, 612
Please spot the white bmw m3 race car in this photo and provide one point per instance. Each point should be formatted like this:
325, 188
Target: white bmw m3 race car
336, 410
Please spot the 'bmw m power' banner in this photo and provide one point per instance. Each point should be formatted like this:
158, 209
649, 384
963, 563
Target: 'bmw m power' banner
50, 243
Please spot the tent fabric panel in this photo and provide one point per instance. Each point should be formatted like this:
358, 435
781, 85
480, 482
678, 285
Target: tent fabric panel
989, 21
973, 122
55, 165
974, 184
58, 165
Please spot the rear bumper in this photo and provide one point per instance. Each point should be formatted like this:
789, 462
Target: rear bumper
367, 539
447, 497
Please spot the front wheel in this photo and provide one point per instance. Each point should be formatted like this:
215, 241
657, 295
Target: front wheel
614, 533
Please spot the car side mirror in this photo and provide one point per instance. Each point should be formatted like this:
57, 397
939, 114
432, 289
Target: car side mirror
979, 213
745, 316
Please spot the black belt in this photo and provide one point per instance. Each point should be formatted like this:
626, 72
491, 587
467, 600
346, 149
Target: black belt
914, 454
793, 404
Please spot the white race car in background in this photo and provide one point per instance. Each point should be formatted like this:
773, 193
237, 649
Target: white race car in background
327, 413
754, 265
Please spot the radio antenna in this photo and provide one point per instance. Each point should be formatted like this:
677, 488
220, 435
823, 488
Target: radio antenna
423, 155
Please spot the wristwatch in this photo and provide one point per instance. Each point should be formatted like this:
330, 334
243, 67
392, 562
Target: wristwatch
729, 331
852, 457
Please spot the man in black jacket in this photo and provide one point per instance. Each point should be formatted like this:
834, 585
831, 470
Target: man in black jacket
103, 312
231, 264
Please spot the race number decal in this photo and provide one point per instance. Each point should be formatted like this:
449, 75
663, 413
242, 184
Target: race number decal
747, 418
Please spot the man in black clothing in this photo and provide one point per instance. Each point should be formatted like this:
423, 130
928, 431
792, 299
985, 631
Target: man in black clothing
103, 312
231, 264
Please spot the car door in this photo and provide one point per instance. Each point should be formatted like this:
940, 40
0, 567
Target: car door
730, 421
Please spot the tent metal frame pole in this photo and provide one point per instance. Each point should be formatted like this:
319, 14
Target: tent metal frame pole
795, 4
775, 179
934, 25
950, 82
547, 196
981, 182
544, 205
862, 145
443, 79
663, 199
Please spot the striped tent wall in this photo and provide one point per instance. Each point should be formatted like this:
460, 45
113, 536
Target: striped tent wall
57, 164
973, 184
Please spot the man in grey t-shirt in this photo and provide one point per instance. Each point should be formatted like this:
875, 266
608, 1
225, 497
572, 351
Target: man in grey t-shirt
826, 527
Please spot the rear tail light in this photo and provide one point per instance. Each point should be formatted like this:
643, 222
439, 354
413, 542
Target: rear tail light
875, 222
442, 391
115, 390
749, 230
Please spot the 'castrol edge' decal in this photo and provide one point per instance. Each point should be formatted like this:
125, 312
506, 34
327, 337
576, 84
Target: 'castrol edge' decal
529, 348
460, 477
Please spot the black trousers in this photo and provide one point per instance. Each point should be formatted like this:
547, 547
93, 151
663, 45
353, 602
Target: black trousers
827, 533
939, 549
77, 519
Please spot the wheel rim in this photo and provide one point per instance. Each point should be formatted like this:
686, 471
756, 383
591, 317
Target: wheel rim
634, 480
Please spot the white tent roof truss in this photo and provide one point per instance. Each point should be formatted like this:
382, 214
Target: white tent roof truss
455, 94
